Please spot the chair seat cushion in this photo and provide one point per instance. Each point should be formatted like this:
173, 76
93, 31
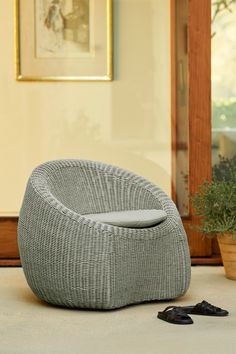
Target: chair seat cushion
130, 218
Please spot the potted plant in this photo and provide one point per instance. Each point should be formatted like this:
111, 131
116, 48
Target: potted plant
215, 205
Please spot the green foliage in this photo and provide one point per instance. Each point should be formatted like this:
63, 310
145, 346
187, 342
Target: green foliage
225, 170
224, 113
219, 6
215, 202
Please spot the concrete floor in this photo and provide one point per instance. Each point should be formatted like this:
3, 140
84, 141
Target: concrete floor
30, 326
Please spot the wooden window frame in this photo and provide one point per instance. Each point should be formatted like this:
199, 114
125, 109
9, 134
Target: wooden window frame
203, 251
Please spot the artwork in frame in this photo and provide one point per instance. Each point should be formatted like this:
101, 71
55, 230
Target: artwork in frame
63, 40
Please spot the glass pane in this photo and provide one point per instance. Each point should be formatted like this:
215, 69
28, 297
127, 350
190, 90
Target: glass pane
182, 158
223, 79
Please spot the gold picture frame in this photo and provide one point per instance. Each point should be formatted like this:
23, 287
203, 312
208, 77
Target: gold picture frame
63, 40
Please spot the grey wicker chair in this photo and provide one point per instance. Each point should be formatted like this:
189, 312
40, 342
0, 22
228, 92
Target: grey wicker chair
73, 261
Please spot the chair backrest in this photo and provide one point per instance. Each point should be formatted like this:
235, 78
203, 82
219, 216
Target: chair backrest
89, 187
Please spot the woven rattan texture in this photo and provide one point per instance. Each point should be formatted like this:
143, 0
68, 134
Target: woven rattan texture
72, 261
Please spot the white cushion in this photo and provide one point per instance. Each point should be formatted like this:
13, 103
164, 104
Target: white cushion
130, 218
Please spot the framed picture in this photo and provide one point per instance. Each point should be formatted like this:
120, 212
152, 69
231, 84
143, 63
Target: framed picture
63, 40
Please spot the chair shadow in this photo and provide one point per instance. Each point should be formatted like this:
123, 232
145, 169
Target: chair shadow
28, 297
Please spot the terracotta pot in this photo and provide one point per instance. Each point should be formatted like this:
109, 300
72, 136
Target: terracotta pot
228, 252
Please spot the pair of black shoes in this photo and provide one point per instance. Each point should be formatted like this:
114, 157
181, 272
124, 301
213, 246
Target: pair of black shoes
180, 314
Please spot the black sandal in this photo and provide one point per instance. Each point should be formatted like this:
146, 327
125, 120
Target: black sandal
204, 308
176, 315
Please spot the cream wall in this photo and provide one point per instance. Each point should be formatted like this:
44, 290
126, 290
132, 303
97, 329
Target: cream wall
125, 122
